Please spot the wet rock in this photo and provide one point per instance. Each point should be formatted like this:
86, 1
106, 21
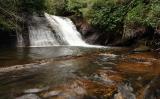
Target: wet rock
19, 67
103, 78
107, 68
141, 48
146, 55
140, 63
51, 94
106, 57
67, 91
98, 89
91, 39
79, 89
132, 67
36, 90
125, 91
152, 91
156, 67
109, 76
29, 96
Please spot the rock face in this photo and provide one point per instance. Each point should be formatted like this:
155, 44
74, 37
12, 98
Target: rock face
156, 41
141, 48
90, 34
131, 35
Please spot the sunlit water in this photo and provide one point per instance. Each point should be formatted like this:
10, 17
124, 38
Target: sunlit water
66, 72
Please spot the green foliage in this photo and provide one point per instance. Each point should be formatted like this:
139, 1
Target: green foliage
12, 11
8, 16
106, 15
145, 14
10, 5
153, 15
31, 6
75, 6
136, 14
56, 7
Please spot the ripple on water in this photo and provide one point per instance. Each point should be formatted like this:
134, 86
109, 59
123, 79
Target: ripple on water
91, 76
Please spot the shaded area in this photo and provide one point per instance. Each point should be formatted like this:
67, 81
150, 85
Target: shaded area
7, 38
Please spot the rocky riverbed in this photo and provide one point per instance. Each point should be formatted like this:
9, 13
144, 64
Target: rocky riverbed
82, 73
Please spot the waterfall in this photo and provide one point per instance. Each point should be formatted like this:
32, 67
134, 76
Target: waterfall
52, 30
66, 30
20, 40
40, 35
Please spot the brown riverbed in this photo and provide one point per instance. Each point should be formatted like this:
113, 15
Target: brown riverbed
79, 73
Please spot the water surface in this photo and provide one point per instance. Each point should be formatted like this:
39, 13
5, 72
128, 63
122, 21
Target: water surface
78, 73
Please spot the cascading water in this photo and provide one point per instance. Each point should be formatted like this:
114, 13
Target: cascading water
20, 40
66, 30
40, 35
52, 31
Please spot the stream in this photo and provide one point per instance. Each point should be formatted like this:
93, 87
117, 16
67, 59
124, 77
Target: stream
67, 72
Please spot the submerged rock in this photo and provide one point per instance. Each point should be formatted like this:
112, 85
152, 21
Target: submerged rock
152, 91
132, 67
35, 90
140, 63
29, 96
67, 91
52, 93
109, 76
79, 89
125, 92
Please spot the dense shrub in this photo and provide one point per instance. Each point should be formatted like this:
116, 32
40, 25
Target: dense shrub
56, 7
142, 15
12, 11
31, 6
8, 16
106, 15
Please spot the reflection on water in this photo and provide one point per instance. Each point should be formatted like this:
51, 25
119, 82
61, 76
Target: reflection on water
79, 73
17, 56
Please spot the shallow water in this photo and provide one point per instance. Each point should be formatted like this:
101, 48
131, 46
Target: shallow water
78, 73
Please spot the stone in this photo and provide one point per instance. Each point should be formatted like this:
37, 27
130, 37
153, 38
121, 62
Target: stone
36, 90
141, 48
51, 94
125, 91
29, 96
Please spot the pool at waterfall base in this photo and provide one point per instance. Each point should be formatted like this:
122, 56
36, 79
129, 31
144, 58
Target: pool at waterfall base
67, 72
